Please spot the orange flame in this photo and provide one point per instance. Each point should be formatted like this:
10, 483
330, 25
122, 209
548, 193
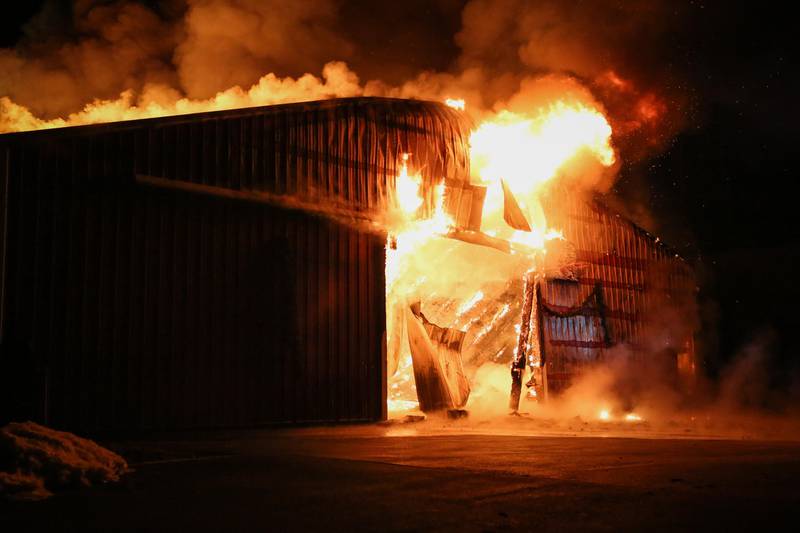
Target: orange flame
525, 151
408, 189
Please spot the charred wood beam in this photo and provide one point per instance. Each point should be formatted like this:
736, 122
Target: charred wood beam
520, 357
541, 387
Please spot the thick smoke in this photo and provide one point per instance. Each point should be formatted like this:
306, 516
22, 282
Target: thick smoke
70, 57
627, 398
194, 49
235, 42
618, 49
97, 51
158, 100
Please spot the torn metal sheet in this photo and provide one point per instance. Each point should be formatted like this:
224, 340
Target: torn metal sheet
512, 213
438, 369
464, 203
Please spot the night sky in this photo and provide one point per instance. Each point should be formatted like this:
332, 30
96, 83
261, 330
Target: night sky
724, 189
721, 191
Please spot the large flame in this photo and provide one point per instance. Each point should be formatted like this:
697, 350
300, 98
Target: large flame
529, 151
524, 151
407, 231
408, 189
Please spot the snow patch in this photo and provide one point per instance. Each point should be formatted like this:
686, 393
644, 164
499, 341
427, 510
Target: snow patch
35, 461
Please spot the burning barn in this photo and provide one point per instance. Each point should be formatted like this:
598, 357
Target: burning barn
303, 263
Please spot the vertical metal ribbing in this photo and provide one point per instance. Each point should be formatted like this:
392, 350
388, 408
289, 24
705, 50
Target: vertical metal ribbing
5, 164
135, 300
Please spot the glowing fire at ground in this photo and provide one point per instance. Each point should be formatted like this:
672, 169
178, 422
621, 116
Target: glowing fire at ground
522, 152
606, 416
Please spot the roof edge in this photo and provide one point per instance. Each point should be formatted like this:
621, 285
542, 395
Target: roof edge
238, 112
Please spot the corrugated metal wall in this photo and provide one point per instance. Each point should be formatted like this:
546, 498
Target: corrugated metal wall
131, 307
341, 153
630, 290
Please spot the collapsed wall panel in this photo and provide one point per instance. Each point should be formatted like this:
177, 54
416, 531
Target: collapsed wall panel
438, 369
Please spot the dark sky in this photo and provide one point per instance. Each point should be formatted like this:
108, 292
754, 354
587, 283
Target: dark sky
722, 191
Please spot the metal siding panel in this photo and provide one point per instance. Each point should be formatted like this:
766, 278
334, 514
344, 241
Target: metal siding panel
273, 388
343, 329
122, 295
379, 310
41, 318
362, 329
315, 314
105, 280
352, 316
134, 304
58, 302
323, 360
302, 322
230, 353
633, 270
370, 311
234, 144
90, 250
332, 340
177, 317
149, 290
292, 394
328, 282
198, 345
154, 281
5, 178
242, 337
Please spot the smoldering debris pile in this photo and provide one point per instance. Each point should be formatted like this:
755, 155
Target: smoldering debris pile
36, 461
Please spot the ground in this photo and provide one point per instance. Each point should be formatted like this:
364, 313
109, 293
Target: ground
420, 477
